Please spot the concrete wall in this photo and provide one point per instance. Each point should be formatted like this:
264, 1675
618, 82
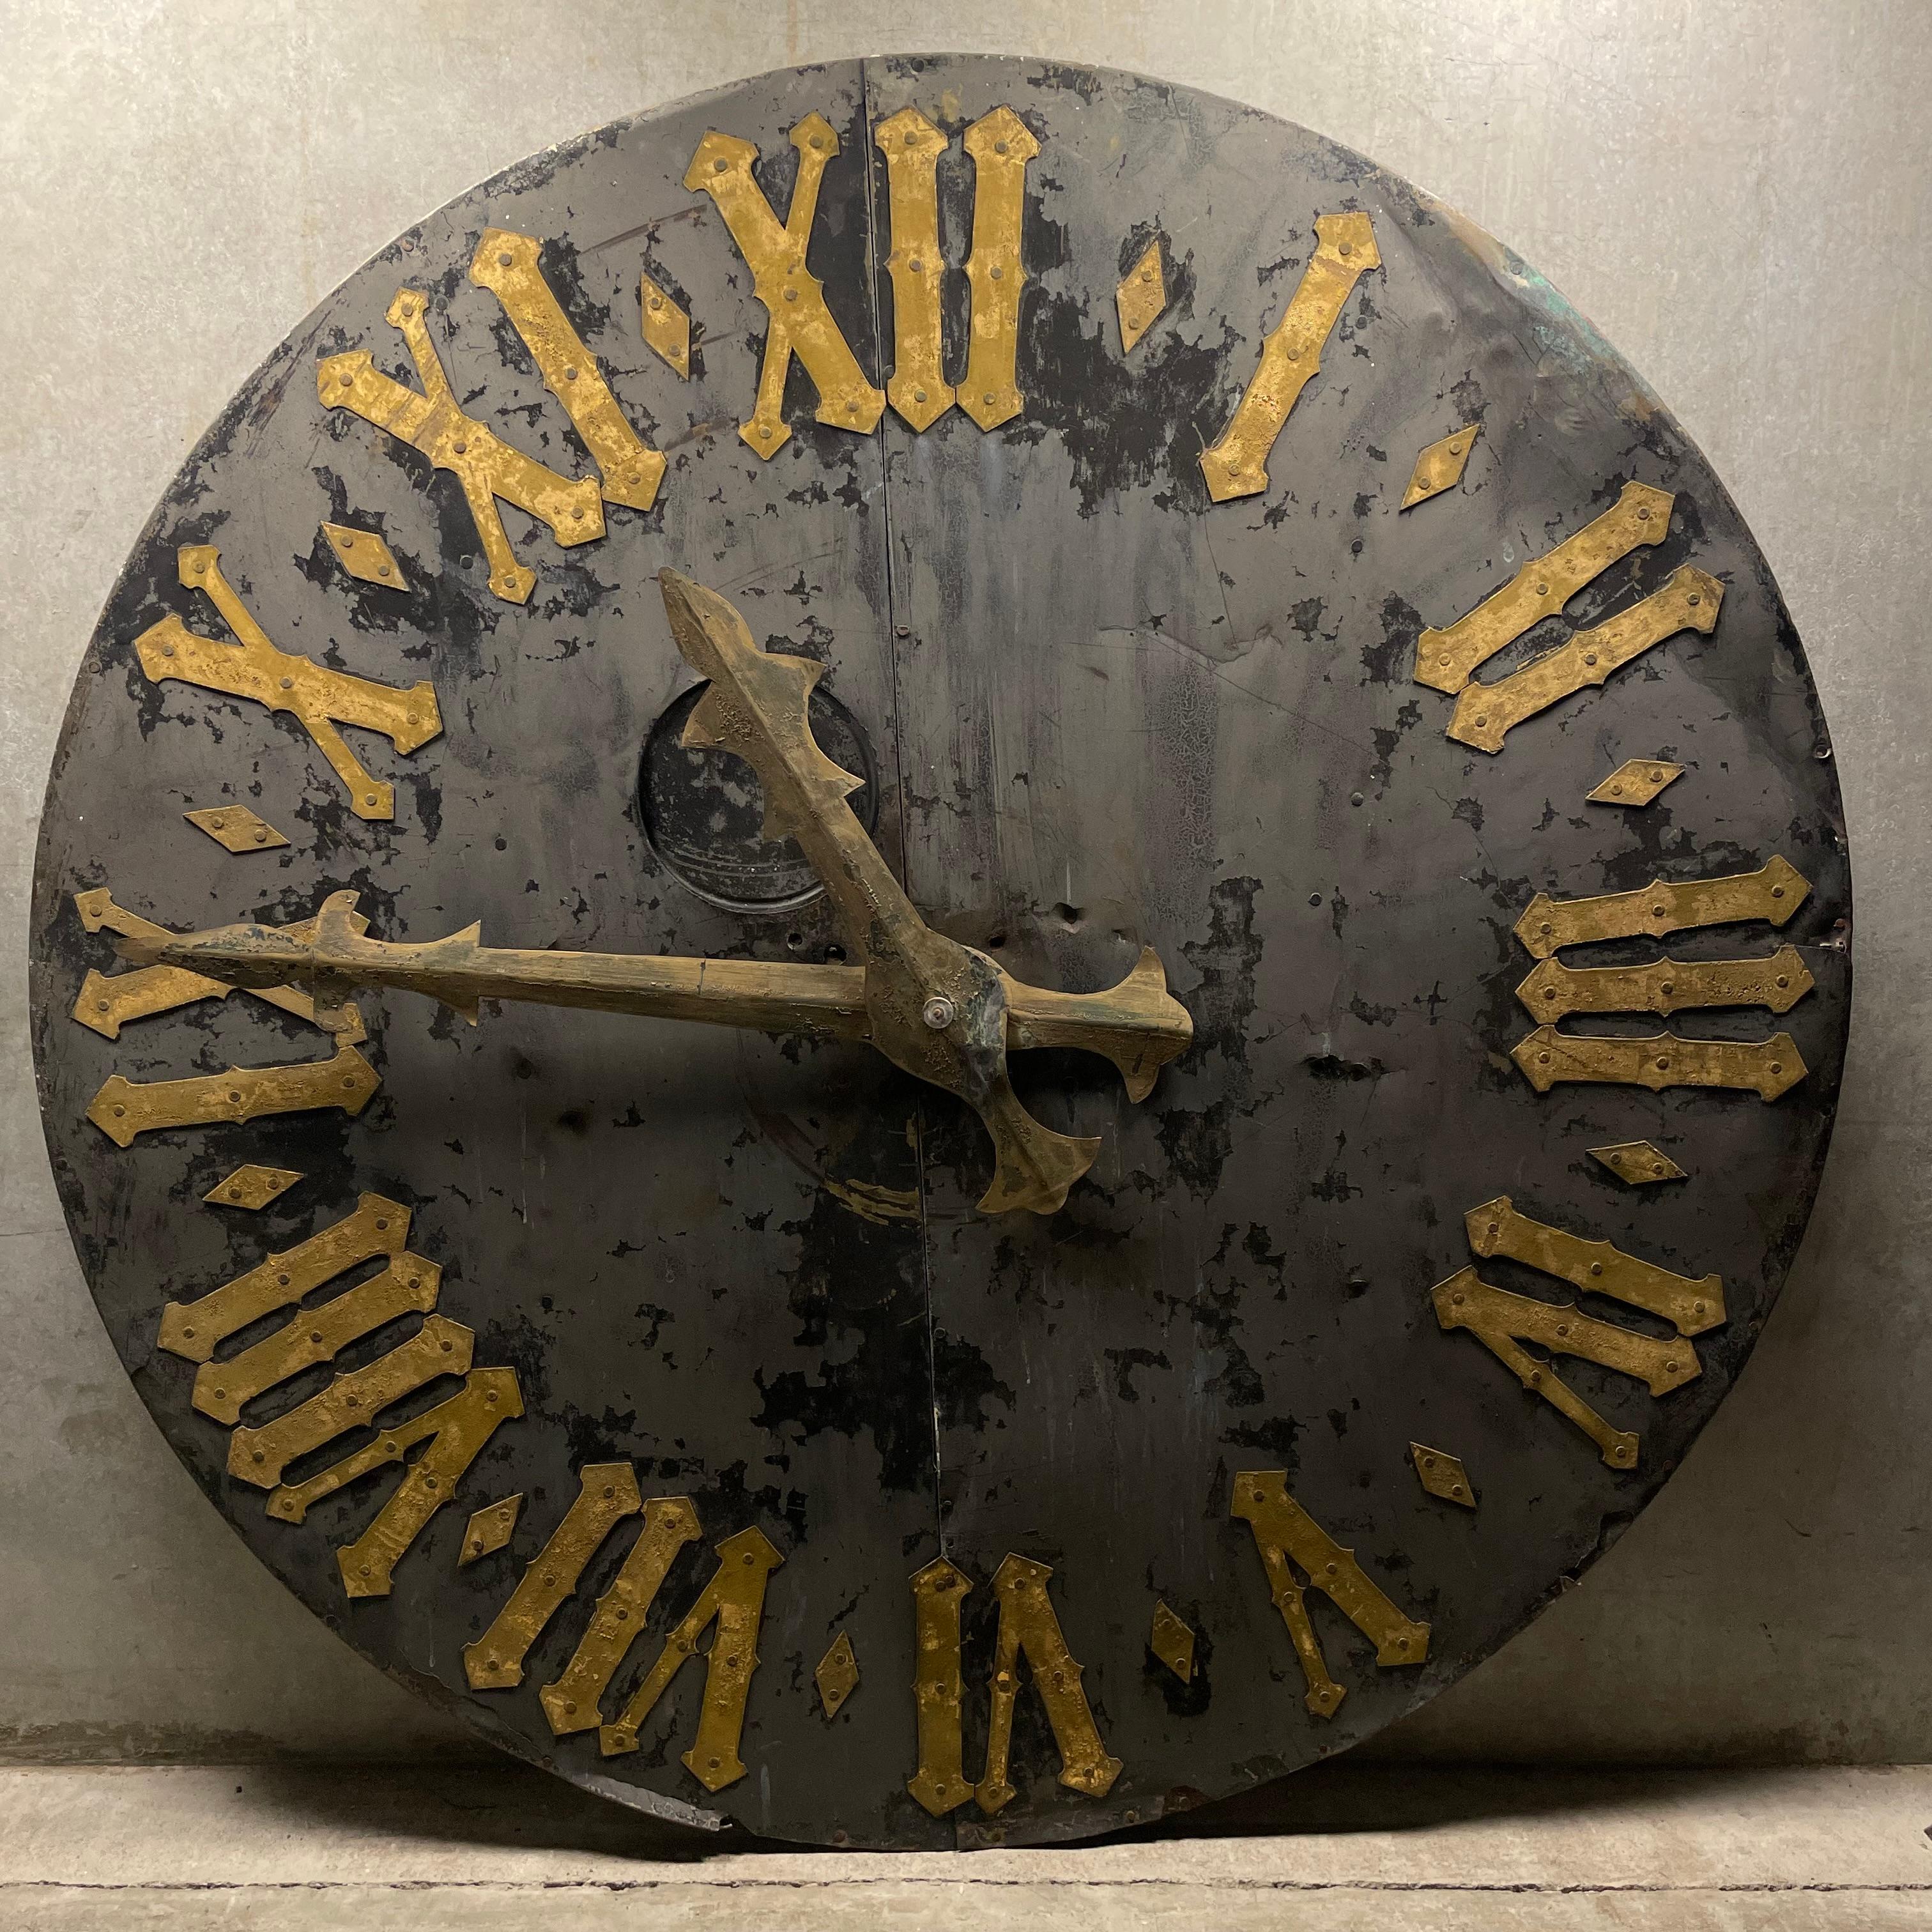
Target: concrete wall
1739, 194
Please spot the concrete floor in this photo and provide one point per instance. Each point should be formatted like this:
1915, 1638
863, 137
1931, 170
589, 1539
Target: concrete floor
189, 1846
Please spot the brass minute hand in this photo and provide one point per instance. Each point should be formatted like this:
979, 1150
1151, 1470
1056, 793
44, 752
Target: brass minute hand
938, 1009
941, 1010
1134, 1024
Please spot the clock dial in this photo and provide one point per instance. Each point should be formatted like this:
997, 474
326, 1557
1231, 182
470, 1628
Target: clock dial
933, 956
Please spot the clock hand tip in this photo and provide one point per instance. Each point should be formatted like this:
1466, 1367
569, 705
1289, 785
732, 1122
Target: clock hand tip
235, 956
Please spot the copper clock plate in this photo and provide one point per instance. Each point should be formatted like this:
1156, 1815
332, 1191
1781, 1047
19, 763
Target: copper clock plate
1095, 705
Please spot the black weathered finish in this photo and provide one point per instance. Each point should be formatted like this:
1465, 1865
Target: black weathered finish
1098, 712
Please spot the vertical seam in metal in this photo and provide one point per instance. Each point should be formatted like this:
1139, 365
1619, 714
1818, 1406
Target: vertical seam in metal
879, 349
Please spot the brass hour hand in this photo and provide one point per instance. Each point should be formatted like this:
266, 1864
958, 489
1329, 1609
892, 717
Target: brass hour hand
938, 1009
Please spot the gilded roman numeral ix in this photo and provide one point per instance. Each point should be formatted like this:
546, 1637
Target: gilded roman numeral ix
108, 1001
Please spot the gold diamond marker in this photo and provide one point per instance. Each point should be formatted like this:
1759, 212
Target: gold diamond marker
490, 1529
1140, 296
667, 327
1440, 466
1636, 781
365, 555
1172, 1642
235, 827
251, 1187
1638, 1163
1442, 1475
837, 1675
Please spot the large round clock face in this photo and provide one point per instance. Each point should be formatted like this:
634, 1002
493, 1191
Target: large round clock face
1162, 956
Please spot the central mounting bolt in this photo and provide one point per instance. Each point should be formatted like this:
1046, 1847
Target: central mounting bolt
937, 1013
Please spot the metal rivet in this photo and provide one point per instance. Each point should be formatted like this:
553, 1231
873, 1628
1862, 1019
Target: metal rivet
999, 275
657, 301
791, 294
999, 147
938, 1012
1643, 515
462, 449
1777, 892
576, 515
504, 259
919, 395
717, 168
261, 838
288, 684
1664, 1064
1346, 248
570, 375
1694, 598
1589, 657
